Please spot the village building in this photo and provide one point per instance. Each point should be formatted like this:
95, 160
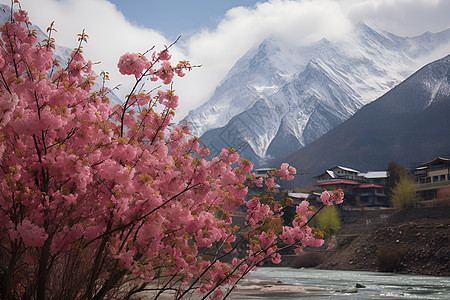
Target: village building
431, 177
360, 189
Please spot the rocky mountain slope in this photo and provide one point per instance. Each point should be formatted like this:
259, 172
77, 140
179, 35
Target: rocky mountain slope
408, 124
279, 97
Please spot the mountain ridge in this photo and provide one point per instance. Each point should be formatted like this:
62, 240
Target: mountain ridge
407, 124
306, 90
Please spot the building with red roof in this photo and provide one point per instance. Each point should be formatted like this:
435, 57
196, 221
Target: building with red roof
360, 189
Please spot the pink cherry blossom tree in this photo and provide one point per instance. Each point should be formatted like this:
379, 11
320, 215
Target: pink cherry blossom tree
101, 202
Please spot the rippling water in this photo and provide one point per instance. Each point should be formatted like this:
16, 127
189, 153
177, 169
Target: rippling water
286, 283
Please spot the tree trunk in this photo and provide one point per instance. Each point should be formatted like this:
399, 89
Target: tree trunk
43, 270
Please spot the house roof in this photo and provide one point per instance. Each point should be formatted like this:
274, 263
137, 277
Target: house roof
299, 195
339, 181
262, 169
330, 173
346, 169
436, 161
261, 172
376, 174
370, 185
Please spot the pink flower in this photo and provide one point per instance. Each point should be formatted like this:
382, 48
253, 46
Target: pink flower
276, 258
164, 55
270, 182
132, 64
286, 172
332, 198
165, 73
32, 235
245, 165
218, 294
325, 198
21, 16
303, 208
168, 98
331, 245
229, 156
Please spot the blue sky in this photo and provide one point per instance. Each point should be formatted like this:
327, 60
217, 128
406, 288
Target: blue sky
175, 17
216, 33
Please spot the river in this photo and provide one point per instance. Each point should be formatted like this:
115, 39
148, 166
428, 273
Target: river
285, 283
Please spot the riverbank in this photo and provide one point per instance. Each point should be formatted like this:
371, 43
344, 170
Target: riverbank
284, 283
410, 241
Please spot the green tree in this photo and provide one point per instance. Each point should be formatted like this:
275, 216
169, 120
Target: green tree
404, 193
395, 171
329, 221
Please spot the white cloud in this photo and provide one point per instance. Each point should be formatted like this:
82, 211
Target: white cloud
241, 28
298, 22
402, 17
110, 34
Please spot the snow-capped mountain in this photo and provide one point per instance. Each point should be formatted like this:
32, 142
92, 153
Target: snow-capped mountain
278, 98
408, 124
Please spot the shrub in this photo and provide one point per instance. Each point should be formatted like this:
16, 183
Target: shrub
404, 193
390, 259
329, 221
308, 259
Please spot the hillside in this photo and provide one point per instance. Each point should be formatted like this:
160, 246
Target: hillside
408, 124
411, 241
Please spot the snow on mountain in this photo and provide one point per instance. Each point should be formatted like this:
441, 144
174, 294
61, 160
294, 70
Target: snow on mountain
407, 124
278, 98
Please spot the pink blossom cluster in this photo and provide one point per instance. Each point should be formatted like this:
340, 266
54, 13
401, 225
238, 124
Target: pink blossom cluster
286, 172
168, 99
335, 197
229, 156
138, 65
257, 211
133, 64
300, 231
245, 165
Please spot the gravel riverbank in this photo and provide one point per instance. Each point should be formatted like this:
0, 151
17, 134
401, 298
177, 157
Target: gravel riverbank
410, 241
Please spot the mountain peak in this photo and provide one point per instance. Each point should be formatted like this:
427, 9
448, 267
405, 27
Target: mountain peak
364, 27
312, 88
409, 123
269, 46
373, 33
